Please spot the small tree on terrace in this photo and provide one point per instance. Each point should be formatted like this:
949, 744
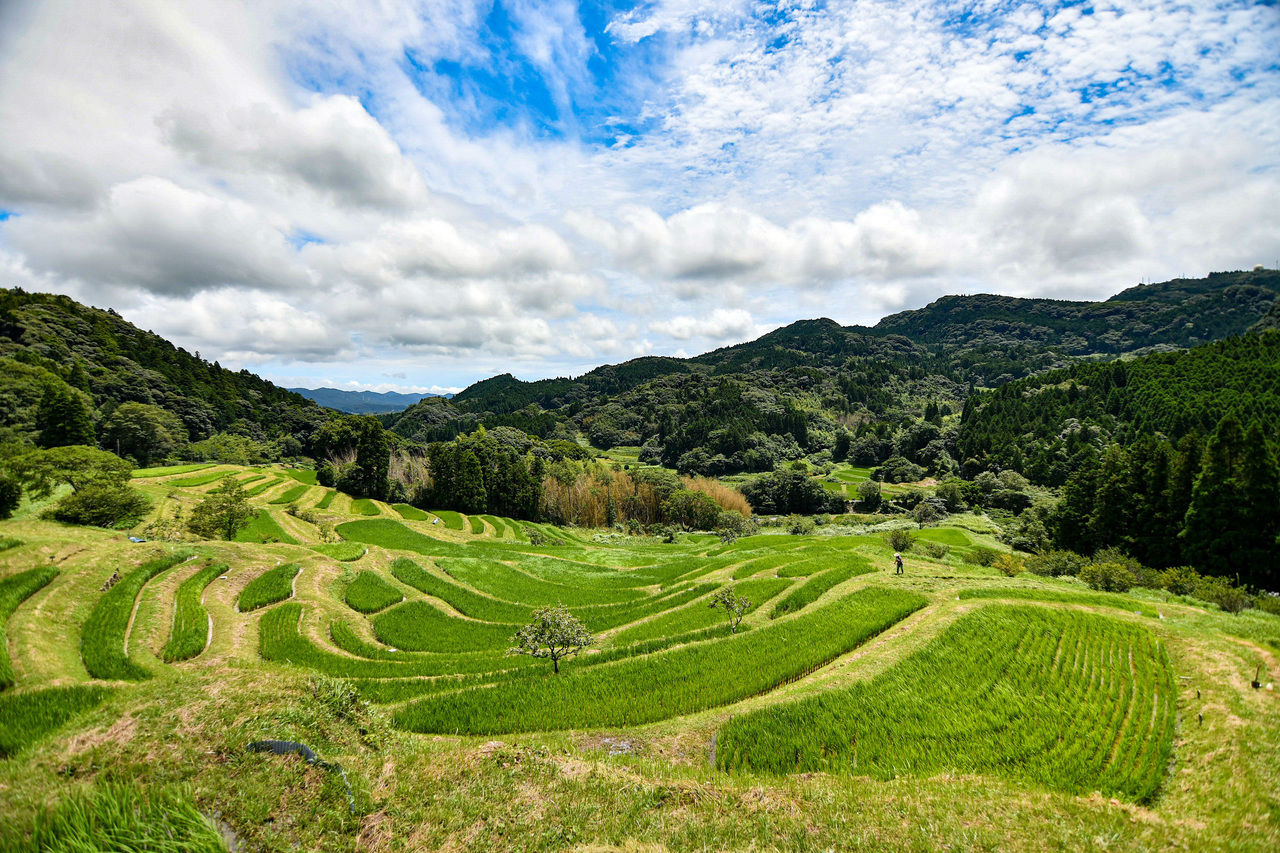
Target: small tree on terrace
224, 512
735, 606
554, 633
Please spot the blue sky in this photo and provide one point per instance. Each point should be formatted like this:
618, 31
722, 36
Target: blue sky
419, 194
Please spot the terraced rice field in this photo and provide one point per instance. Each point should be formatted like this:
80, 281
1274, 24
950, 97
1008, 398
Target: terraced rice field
953, 684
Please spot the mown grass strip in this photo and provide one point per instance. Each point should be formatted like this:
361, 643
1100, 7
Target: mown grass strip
499, 529
324, 502
14, 590
411, 513
269, 587
670, 683
264, 528
699, 615
369, 593
1073, 701
103, 636
291, 494
364, 506
202, 480
169, 470
262, 487
477, 525
27, 717
517, 531
465, 601
1101, 599
190, 632
819, 584
343, 552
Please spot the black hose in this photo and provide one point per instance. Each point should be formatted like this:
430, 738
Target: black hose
288, 747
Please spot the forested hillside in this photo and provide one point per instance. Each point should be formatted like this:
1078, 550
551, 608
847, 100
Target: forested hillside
94, 363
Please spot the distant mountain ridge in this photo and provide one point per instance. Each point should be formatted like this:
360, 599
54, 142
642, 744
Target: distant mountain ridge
363, 402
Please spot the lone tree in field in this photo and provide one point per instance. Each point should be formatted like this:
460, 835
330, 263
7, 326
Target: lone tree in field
224, 512
735, 606
554, 633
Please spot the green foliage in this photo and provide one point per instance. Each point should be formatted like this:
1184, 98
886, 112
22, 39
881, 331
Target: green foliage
477, 525
269, 587
784, 492
1220, 591
369, 593
672, 683
291, 495
262, 487
303, 475
123, 817
992, 695
900, 539
10, 495
418, 626
1107, 577
65, 417
101, 506
103, 637
357, 446
1180, 580
324, 502
691, 510
981, 555
1011, 566
700, 615
223, 513
14, 590
191, 622
554, 634
27, 717
819, 584
143, 432
1053, 564
42, 471
800, 525
936, 550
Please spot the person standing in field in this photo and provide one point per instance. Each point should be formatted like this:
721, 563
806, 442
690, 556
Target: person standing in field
897, 563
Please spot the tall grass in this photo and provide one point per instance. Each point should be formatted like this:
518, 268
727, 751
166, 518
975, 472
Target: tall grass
699, 615
190, 619
477, 524
27, 717
667, 684
14, 590
451, 520
305, 476
169, 470
122, 818
103, 636
343, 552
324, 502
263, 527
499, 529
365, 506
369, 593
465, 601
1072, 701
726, 496
262, 487
411, 513
269, 587
201, 480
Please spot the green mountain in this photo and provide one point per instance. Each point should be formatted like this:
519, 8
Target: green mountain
49, 341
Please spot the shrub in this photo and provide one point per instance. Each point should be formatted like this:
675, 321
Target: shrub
1220, 591
981, 555
800, 525
1180, 580
1009, 565
936, 550
1107, 577
1053, 564
101, 506
900, 539
10, 495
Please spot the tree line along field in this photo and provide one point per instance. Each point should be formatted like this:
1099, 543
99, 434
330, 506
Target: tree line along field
950, 706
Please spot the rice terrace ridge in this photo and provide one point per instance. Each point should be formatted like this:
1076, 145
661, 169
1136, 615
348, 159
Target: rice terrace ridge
662, 427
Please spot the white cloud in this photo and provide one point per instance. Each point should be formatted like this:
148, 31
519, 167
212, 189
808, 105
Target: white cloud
722, 324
